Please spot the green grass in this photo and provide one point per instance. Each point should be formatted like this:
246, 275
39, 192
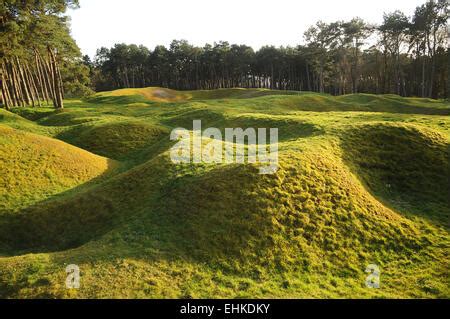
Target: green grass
34, 167
363, 179
117, 140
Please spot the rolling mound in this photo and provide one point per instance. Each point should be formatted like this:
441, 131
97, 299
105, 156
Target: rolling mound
8, 118
150, 94
236, 93
69, 222
117, 140
288, 129
18, 122
350, 103
406, 165
68, 117
184, 119
358, 184
35, 167
34, 114
264, 99
312, 217
396, 104
311, 205
300, 219
156, 94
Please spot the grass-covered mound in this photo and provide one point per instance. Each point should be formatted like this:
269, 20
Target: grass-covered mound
73, 220
67, 117
271, 100
17, 122
288, 128
353, 103
34, 167
236, 93
300, 219
184, 118
362, 180
156, 94
406, 165
115, 140
311, 224
151, 94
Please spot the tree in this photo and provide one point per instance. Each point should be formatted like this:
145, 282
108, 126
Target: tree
355, 33
394, 32
335, 59
428, 34
321, 39
35, 47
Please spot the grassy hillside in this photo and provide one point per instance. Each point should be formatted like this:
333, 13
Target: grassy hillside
36, 167
363, 179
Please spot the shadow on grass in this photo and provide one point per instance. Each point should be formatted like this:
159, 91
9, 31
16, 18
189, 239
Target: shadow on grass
124, 99
76, 216
405, 166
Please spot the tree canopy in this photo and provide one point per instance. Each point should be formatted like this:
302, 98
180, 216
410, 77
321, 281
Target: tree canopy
405, 56
39, 58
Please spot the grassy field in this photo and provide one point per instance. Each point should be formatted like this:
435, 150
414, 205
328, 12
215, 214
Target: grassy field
363, 179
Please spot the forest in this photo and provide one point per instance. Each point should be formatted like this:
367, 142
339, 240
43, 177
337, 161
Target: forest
407, 56
40, 61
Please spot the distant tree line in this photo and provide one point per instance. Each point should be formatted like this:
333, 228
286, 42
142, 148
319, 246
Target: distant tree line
39, 60
406, 56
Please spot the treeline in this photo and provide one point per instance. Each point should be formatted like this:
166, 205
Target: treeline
405, 56
39, 59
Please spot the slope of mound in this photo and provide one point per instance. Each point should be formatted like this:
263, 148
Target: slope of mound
299, 219
129, 96
34, 167
117, 140
160, 229
288, 128
184, 118
68, 117
156, 94
35, 113
268, 99
236, 93
349, 103
312, 219
13, 120
18, 122
404, 164
396, 104
73, 220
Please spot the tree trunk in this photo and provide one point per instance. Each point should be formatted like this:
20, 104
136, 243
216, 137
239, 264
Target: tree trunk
57, 86
24, 82
5, 97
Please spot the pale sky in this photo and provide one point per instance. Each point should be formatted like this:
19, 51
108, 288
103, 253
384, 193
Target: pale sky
253, 22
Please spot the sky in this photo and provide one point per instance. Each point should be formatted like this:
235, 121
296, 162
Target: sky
253, 22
